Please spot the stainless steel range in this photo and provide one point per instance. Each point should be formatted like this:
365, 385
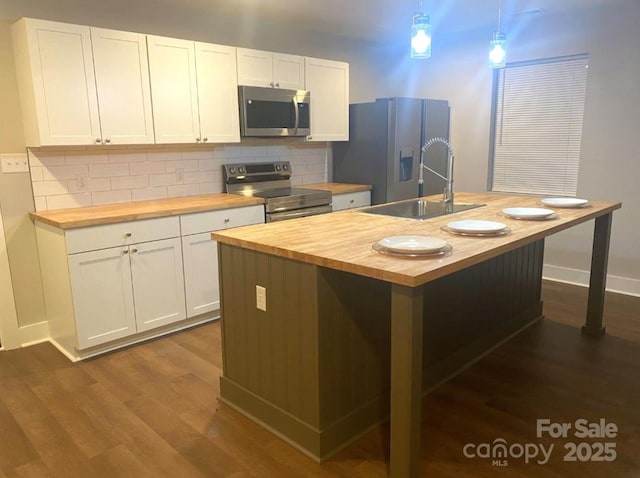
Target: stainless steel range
272, 182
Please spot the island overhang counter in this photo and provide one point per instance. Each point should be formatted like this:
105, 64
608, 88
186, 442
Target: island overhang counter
350, 335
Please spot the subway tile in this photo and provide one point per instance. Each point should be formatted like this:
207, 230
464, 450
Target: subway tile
184, 164
210, 188
108, 170
164, 155
64, 201
110, 197
82, 184
130, 182
158, 192
209, 165
168, 179
183, 190
199, 177
50, 188
148, 167
64, 172
195, 154
40, 158
40, 203
36, 173
85, 157
124, 156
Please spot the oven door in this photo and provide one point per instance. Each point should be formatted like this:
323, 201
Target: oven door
295, 213
274, 112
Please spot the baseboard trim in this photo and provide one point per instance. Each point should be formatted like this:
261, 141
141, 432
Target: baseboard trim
620, 285
34, 333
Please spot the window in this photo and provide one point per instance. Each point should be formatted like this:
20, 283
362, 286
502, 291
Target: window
537, 126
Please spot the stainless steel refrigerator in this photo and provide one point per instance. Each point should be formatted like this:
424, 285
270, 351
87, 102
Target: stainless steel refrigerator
385, 138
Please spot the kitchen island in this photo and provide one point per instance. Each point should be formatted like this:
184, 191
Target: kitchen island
345, 335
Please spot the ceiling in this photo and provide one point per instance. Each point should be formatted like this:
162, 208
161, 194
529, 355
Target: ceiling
384, 19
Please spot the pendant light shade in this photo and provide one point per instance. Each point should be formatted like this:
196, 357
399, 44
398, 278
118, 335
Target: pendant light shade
498, 51
421, 36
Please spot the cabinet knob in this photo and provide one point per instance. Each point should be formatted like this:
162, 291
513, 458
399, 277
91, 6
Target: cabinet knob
98, 140
128, 234
107, 140
126, 251
134, 250
226, 220
271, 84
277, 85
205, 139
198, 140
350, 201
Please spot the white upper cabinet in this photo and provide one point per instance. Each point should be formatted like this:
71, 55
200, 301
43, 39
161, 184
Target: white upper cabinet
56, 81
172, 67
122, 81
328, 82
194, 91
80, 85
217, 93
276, 70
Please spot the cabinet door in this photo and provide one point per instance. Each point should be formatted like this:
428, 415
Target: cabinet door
328, 82
172, 69
217, 93
255, 67
102, 296
55, 59
288, 71
201, 273
122, 81
158, 283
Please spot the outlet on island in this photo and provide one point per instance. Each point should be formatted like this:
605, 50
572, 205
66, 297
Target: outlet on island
261, 298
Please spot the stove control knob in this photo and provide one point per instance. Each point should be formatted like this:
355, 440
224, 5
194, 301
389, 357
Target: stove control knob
278, 167
285, 167
241, 170
232, 170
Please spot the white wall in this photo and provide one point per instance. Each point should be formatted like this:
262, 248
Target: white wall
609, 164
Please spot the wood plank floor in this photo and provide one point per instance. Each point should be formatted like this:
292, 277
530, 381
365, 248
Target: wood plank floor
152, 410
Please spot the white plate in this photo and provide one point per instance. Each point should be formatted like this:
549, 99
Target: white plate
564, 202
476, 226
413, 244
527, 212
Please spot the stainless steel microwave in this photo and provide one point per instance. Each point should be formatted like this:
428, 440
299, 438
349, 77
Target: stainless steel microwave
274, 111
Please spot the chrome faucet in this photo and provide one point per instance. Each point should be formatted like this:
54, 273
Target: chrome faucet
448, 189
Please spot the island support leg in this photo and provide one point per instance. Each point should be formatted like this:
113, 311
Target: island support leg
598, 276
406, 380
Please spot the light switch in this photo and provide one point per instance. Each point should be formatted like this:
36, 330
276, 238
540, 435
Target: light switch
14, 163
261, 298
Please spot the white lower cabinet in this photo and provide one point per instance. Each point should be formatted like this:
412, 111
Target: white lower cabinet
351, 200
201, 253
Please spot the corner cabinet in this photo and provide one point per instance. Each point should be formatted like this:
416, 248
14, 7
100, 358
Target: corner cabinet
80, 85
200, 253
328, 82
194, 91
267, 69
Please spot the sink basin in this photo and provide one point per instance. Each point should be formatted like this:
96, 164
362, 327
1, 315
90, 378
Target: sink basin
419, 209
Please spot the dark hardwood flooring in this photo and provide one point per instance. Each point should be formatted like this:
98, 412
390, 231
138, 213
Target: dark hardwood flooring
151, 410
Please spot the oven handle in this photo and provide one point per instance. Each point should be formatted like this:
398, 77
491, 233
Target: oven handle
297, 113
309, 211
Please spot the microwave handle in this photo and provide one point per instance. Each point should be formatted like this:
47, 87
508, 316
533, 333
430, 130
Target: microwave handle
297, 112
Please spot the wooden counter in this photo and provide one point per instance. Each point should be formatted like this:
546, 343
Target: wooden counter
343, 239
339, 188
131, 211
337, 310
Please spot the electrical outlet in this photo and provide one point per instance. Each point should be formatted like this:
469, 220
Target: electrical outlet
14, 163
81, 182
261, 298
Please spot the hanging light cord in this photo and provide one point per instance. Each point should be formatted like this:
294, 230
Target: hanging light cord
499, 13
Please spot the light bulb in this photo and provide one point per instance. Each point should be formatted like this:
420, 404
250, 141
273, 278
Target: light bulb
498, 52
421, 42
421, 36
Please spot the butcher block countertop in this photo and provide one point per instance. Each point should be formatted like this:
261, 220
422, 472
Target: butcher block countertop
131, 211
338, 188
343, 240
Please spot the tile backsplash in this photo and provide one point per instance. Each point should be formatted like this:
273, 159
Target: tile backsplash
68, 178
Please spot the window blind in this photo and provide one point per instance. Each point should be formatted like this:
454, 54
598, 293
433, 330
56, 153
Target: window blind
539, 109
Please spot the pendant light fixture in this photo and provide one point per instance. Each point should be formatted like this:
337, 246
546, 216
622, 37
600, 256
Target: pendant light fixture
498, 51
421, 35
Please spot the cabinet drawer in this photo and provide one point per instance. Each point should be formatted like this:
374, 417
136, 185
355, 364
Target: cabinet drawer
351, 200
110, 235
199, 222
